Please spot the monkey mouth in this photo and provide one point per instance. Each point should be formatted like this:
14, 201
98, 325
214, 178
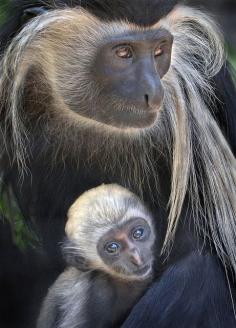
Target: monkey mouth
144, 272
125, 117
139, 112
135, 118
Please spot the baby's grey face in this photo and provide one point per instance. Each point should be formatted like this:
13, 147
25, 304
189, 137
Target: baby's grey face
126, 250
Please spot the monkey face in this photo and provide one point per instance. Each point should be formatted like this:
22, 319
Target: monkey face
129, 69
126, 74
109, 229
127, 250
111, 74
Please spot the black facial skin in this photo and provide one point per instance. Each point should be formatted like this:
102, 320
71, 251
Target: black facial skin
127, 250
127, 71
130, 68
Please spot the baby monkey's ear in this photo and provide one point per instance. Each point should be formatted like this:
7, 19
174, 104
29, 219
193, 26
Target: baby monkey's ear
72, 256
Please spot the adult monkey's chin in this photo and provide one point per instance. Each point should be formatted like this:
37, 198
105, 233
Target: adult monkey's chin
136, 120
130, 119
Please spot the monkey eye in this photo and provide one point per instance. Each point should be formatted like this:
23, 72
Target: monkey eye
124, 52
138, 233
158, 52
112, 248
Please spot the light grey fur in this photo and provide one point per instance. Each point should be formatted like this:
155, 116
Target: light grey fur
68, 296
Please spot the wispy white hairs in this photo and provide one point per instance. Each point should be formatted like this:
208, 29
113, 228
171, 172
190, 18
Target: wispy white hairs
202, 160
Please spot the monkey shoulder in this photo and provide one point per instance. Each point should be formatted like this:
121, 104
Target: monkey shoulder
66, 302
71, 282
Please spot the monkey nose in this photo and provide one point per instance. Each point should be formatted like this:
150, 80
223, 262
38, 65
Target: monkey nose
135, 258
154, 99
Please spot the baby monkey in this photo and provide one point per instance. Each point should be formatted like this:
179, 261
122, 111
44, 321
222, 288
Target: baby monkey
109, 253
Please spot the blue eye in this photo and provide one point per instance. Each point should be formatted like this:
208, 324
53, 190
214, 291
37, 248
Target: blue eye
138, 233
112, 248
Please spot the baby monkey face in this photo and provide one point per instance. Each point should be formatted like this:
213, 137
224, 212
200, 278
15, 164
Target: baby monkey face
112, 231
126, 249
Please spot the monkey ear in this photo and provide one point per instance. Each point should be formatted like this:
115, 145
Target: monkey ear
72, 256
77, 261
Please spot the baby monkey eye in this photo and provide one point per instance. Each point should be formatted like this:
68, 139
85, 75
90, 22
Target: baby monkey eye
112, 248
138, 233
124, 52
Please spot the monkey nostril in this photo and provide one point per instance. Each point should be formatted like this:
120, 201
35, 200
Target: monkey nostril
146, 100
155, 99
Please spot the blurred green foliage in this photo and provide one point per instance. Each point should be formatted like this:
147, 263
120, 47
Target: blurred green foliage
4, 4
232, 57
22, 236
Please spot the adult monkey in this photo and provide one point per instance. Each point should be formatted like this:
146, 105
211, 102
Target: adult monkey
176, 153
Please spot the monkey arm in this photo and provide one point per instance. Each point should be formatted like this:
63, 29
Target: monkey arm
60, 299
49, 310
77, 300
191, 293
